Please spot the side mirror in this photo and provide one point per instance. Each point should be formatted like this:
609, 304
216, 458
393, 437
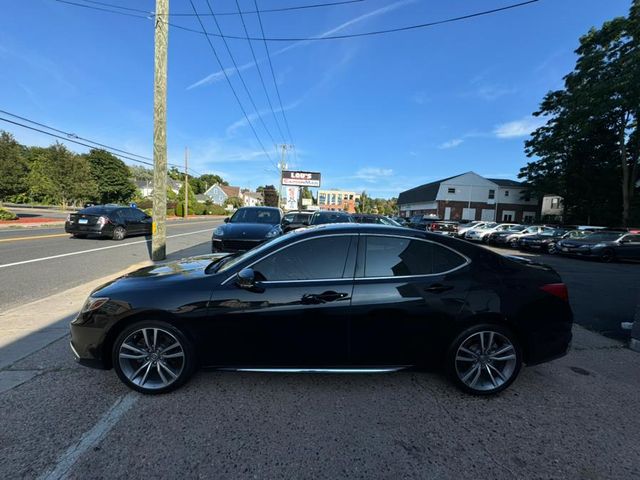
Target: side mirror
246, 278
226, 220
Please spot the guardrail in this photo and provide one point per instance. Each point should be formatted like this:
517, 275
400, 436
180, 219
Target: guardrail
56, 208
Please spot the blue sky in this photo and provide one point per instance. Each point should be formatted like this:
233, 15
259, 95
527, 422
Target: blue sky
380, 114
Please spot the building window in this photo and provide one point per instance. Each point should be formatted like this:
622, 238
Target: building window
492, 194
322, 199
451, 190
555, 202
506, 193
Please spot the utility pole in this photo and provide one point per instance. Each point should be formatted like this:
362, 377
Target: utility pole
159, 228
186, 182
282, 166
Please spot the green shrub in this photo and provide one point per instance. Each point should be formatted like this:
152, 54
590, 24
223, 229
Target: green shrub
7, 215
171, 212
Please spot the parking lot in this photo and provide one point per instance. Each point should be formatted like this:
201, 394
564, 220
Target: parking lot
572, 418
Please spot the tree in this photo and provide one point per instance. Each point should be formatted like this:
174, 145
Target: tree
111, 176
590, 145
193, 202
211, 179
235, 202
13, 167
306, 193
60, 176
138, 173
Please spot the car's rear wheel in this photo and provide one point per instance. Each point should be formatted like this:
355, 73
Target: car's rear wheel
119, 233
552, 248
153, 357
484, 360
607, 255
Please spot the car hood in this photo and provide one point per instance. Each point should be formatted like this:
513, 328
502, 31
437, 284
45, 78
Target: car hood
249, 231
148, 277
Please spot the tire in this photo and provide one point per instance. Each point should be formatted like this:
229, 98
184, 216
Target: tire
607, 255
119, 233
552, 249
485, 373
153, 357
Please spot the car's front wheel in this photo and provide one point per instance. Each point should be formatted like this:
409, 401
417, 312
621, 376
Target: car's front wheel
153, 357
484, 360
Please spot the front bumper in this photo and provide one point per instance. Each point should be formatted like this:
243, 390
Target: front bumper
87, 345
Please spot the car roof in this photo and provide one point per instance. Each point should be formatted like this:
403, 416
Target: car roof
101, 208
342, 228
259, 208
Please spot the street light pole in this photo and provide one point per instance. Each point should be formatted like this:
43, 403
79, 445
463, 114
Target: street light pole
159, 228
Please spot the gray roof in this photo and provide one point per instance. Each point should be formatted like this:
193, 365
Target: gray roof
423, 193
503, 182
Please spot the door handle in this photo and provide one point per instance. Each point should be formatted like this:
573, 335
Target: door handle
324, 297
438, 288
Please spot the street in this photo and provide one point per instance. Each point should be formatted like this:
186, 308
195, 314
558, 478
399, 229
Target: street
38, 262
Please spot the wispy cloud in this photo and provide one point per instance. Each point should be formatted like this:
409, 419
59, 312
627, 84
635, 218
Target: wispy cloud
242, 122
219, 75
451, 144
420, 98
493, 92
373, 174
518, 128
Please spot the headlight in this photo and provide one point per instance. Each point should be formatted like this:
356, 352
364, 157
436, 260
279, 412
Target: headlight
273, 233
93, 303
218, 232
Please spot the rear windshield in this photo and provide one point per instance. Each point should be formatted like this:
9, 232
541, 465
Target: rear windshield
330, 217
606, 236
98, 210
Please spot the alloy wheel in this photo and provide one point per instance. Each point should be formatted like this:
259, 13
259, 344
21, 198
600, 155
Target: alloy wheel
151, 358
119, 233
485, 361
552, 248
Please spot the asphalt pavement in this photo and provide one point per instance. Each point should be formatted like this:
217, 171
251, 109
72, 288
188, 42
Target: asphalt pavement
38, 262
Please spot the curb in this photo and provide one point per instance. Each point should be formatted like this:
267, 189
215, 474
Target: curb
31, 327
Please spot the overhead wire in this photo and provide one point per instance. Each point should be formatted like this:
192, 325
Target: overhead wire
273, 76
255, 60
226, 76
270, 10
73, 138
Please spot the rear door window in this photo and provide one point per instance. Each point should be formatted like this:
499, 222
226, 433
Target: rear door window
398, 256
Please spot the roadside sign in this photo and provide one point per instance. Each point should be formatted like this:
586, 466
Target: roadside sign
300, 179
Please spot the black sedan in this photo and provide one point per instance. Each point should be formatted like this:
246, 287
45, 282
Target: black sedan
111, 221
330, 298
606, 246
247, 228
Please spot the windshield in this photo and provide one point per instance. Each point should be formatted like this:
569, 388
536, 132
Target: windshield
553, 233
515, 228
256, 215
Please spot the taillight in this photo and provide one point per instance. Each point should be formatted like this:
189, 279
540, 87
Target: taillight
103, 220
69, 217
557, 290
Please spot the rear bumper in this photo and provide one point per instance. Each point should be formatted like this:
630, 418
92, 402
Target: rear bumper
101, 230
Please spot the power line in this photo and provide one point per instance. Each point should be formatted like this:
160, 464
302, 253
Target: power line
73, 135
330, 37
235, 94
73, 138
273, 76
244, 84
255, 60
75, 4
270, 10
364, 34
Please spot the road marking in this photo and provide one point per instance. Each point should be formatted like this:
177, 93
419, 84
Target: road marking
91, 437
15, 239
42, 259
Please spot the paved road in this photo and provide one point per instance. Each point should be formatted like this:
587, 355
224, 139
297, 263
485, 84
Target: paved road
575, 418
35, 263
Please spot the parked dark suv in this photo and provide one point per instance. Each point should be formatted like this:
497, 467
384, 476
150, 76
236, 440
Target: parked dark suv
112, 221
294, 220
